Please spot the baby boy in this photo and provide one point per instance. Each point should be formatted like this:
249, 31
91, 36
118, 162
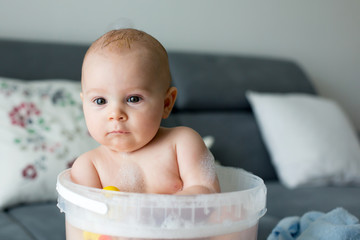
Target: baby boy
126, 92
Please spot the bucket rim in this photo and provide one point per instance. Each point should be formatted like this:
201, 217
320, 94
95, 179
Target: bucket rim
260, 185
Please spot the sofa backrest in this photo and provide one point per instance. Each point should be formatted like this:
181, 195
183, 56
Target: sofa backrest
211, 95
38, 60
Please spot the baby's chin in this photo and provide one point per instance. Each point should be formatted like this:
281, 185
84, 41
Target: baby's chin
124, 144
120, 148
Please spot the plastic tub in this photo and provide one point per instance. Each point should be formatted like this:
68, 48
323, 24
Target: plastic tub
95, 214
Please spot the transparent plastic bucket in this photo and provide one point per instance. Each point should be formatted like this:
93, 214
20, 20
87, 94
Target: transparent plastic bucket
96, 214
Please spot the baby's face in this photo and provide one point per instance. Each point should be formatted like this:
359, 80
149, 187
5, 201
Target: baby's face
123, 98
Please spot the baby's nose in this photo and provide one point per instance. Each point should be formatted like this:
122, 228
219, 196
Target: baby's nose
118, 115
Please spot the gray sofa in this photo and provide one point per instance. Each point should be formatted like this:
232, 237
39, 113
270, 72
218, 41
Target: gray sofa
211, 100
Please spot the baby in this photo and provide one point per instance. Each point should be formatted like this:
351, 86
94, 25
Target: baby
126, 92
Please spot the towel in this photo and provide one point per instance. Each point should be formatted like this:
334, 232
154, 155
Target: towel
337, 224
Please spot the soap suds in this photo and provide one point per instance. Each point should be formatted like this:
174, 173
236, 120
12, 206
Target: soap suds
130, 178
208, 166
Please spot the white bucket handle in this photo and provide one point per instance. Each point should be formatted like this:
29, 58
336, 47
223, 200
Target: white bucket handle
81, 201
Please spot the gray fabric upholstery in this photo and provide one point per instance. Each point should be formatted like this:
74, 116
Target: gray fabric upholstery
219, 82
34, 60
42, 221
283, 202
211, 100
266, 224
12, 229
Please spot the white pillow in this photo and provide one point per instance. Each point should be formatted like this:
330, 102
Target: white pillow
42, 131
310, 140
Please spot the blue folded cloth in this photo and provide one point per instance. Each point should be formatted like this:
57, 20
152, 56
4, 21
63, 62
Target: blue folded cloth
337, 224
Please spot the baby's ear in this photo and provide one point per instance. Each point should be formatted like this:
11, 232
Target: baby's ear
81, 96
169, 101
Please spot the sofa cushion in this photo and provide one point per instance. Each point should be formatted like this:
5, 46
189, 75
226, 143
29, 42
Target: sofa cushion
310, 139
11, 229
266, 225
42, 131
43, 221
219, 82
283, 202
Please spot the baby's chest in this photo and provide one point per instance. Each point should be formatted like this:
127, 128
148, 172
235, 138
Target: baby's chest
160, 169
148, 174
162, 179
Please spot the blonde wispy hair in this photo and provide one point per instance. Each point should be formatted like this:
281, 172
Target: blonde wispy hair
121, 40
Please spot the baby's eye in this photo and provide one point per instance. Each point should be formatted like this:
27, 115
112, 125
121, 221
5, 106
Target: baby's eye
134, 99
100, 101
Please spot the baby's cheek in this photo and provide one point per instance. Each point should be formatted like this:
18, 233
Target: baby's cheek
93, 127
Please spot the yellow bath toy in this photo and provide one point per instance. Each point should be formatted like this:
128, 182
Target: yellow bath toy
111, 188
95, 236
90, 236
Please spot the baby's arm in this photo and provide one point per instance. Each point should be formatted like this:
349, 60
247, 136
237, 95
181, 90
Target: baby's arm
84, 172
196, 163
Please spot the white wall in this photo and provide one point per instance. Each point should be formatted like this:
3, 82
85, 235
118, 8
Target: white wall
322, 35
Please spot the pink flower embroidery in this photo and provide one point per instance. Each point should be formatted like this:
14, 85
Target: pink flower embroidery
29, 172
22, 114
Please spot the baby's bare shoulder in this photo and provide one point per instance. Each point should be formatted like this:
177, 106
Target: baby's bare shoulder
187, 134
87, 157
84, 171
182, 131
183, 136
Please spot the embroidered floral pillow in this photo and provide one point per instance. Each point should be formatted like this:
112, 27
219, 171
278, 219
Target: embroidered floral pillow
42, 131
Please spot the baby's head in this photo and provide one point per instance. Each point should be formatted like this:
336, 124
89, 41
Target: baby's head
125, 41
126, 89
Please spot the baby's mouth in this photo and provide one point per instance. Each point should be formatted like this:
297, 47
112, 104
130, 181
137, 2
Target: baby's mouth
118, 132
